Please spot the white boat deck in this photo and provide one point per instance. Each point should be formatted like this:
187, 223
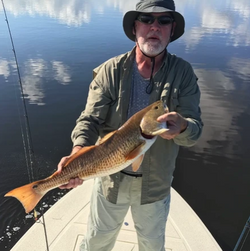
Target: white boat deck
66, 223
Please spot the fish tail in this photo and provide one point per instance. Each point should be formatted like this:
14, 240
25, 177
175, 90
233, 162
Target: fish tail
27, 195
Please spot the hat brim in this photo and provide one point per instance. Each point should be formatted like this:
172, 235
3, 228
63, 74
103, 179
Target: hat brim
130, 17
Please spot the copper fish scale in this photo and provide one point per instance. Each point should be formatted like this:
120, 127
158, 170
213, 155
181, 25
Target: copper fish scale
100, 161
110, 154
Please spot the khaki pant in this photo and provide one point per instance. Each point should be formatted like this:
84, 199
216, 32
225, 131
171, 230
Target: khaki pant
106, 219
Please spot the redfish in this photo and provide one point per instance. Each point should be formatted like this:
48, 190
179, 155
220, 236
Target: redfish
115, 151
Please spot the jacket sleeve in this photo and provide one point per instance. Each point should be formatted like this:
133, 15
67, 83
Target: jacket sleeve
188, 107
86, 131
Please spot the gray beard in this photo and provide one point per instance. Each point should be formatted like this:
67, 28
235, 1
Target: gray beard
151, 51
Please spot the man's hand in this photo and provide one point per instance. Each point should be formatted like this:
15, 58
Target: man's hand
73, 182
175, 123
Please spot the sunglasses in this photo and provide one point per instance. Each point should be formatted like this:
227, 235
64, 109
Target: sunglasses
149, 19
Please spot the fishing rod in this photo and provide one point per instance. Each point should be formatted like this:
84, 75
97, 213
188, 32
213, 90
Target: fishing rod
28, 147
27, 144
242, 239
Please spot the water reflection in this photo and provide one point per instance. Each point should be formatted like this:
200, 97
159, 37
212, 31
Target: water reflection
218, 116
240, 67
231, 24
61, 72
4, 68
37, 72
232, 21
72, 12
222, 107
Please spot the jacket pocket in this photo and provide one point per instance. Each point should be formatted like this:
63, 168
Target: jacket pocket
170, 100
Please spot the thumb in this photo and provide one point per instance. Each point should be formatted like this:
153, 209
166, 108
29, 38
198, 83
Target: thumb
162, 118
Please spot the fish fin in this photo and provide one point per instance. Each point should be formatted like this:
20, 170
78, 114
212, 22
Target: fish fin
77, 154
106, 137
27, 195
137, 163
137, 151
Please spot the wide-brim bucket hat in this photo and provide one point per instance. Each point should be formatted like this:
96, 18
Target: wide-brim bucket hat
150, 6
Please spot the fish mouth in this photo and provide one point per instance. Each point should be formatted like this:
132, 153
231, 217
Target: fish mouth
147, 136
166, 108
151, 135
160, 131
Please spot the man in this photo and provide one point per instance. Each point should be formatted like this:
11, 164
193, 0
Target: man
122, 86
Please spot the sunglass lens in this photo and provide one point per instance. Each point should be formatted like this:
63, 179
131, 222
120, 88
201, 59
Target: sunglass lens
164, 20
146, 19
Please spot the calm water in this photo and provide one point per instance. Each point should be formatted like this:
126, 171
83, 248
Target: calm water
58, 43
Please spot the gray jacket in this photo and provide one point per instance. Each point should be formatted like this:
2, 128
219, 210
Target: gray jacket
106, 110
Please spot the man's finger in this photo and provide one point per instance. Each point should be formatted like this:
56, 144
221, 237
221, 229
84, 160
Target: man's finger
73, 183
168, 116
62, 163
